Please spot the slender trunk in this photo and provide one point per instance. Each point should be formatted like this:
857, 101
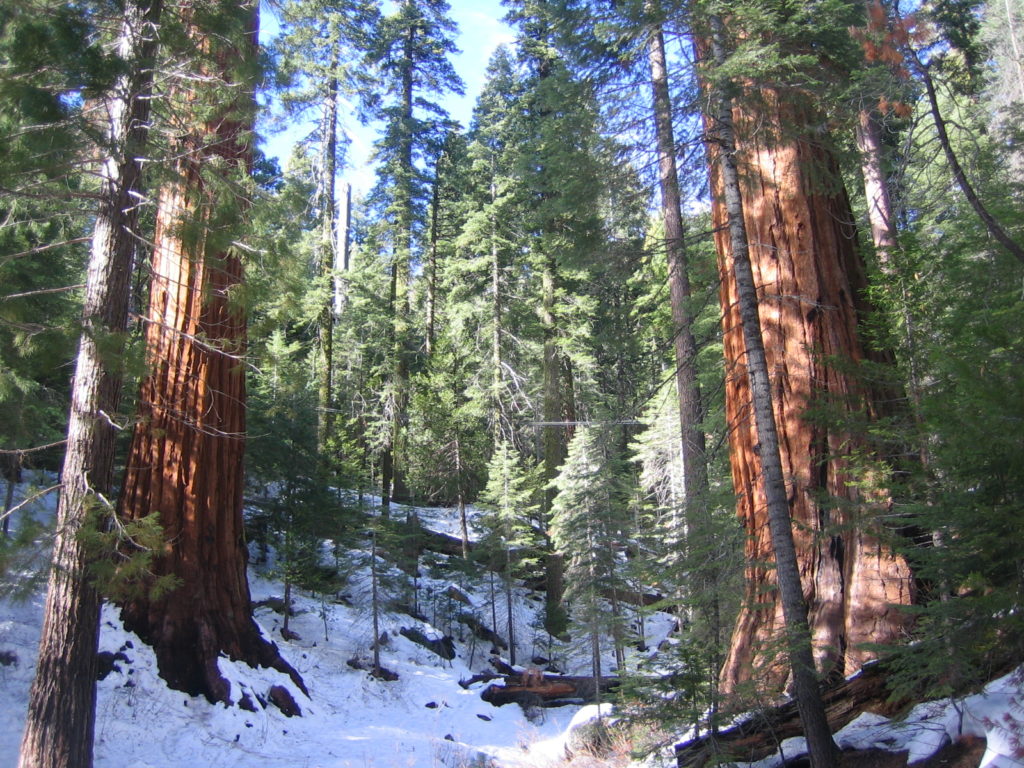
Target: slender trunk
1018, 58
497, 375
798, 636
461, 494
342, 251
883, 235
405, 237
508, 607
376, 605
13, 477
876, 189
60, 723
431, 308
995, 229
186, 459
287, 603
387, 460
687, 385
326, 257
494, 598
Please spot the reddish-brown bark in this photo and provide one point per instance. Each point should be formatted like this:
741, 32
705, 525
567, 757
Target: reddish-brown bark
186, 456
809, 279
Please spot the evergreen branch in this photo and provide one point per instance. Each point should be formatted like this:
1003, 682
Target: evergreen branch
29, 500
43, 248
42, 291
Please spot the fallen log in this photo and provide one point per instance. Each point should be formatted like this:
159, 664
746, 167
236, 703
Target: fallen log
442, 646
481, 630
759, 735
545, 690
483, 677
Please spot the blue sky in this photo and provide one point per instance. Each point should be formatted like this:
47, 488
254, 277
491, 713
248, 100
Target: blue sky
480, 32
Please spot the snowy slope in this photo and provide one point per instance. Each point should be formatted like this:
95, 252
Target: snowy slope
422, 720
425, 719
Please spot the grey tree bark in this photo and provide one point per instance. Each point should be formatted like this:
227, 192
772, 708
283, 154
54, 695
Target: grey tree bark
60, 724
687, 386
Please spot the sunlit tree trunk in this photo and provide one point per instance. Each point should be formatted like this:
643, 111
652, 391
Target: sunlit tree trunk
796, 632
809, 279
687, 385
60, 723
185, 462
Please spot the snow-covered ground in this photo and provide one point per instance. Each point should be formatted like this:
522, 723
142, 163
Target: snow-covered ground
996, 714
425, 719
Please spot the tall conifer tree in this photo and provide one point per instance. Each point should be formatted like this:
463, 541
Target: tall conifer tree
410, 53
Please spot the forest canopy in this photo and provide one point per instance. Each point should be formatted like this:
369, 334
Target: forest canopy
714, 301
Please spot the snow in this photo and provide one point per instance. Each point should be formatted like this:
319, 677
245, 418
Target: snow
425, 719
995, 714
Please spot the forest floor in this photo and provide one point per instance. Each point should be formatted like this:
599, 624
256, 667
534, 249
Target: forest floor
425, 718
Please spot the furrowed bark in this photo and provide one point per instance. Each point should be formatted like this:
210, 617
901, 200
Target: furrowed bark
186, 456
810, 281
60, 723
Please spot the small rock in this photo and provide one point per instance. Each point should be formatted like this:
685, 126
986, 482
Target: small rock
281, 698
485, 718
106, 662
431, 705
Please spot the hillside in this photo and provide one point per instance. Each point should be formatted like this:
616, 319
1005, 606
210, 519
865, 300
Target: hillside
430, 716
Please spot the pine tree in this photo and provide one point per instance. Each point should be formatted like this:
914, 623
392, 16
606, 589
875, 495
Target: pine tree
60, 723
556, 164
409, 56
589, 518
320, 42
511, 539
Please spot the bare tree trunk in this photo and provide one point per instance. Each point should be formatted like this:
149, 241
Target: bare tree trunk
185, 461
810, 280
687, 385
508, 607
431, 271
497, 375
876, 189
12, 474
797, 632
461, 498
375, 598
326, 258
342, 252
60, 723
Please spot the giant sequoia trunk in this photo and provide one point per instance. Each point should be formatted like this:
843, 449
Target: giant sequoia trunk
809, 279
186, 455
